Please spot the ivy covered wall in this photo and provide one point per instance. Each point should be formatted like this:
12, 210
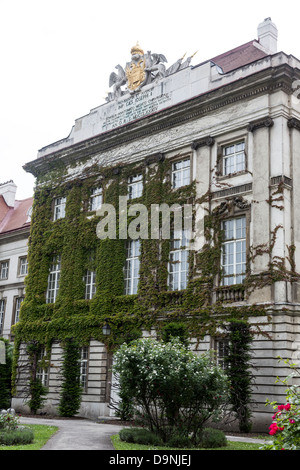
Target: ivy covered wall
74, 238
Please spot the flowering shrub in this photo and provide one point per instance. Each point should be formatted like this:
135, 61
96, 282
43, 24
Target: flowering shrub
8, 422
173, 390
285, 428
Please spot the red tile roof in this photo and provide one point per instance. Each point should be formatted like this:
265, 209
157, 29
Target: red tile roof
3, 208
239, 56
14, 218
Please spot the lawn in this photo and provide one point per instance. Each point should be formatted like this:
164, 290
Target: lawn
42, 434
232, 445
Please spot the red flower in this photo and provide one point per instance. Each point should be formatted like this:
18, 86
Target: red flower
281, 407
287, 406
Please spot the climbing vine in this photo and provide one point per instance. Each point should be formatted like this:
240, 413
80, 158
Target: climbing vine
154, 306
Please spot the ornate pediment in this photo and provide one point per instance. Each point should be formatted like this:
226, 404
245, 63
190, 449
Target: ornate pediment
142, 70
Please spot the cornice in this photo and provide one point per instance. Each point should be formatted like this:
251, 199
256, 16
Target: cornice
264, 81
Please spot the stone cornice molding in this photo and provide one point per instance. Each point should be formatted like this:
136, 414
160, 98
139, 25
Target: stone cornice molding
265, 122
206, 141
294, 123
265, 81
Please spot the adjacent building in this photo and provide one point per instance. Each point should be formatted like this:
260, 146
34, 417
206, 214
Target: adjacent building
15, 218
220, 142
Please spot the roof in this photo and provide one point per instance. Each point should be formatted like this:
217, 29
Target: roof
14, 218
240, 56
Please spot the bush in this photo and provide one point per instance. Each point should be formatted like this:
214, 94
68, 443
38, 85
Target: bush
285, 428
8, 421
179, 440
238, 369
17, 436
173, 390
140, 436
5, 373
212, 438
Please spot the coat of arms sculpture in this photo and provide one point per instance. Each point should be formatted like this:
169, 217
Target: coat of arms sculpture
142, 70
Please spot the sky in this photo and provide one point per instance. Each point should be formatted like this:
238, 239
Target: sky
57, 56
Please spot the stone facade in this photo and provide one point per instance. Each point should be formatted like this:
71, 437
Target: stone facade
239, 129
14, 232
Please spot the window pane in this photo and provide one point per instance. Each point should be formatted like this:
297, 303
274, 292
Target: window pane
132, 267
181, 173
233, 259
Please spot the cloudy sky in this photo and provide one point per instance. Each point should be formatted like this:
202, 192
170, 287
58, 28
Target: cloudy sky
56, 57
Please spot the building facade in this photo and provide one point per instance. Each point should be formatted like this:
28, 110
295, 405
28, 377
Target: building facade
218, 142
15, 217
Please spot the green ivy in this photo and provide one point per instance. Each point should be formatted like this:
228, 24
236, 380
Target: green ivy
74, 237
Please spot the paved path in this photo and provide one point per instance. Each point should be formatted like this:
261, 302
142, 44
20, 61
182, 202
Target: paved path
77, 434
84, 434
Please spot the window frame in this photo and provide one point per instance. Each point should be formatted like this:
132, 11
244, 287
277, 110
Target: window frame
55, 261
229, 142
180, 171
84, 367
96, 193
181, 250
17, 307
130, 288
234, 241
132, 185
57, 206
90, 287
20, 266
220, 352
41, 373
2, 262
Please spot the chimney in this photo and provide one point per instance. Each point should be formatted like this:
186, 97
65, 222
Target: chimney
8, 191
267, 36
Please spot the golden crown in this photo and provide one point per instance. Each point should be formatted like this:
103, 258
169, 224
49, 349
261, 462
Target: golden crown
137, 49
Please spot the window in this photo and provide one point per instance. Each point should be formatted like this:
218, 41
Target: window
53, 280
135, 186
178, 261
95, 199
19, 300
234, 158
59, 208
23, 266
234, 251
222, 349
4, 269
132, 267
181, 175
42, 373
90, 284
2, 311
84, 355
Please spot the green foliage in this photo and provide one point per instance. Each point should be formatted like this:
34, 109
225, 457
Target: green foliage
212, 438
5, 375
238, 369
173, 390
71, 390
140, 436
38, 395
285, 428
175, 330
19, 436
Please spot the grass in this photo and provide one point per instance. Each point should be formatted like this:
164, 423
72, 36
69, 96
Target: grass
232, 445
42, 434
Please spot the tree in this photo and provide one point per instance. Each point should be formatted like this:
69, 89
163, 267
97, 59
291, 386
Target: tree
173, 390
5, 373
71, 390
238, 369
